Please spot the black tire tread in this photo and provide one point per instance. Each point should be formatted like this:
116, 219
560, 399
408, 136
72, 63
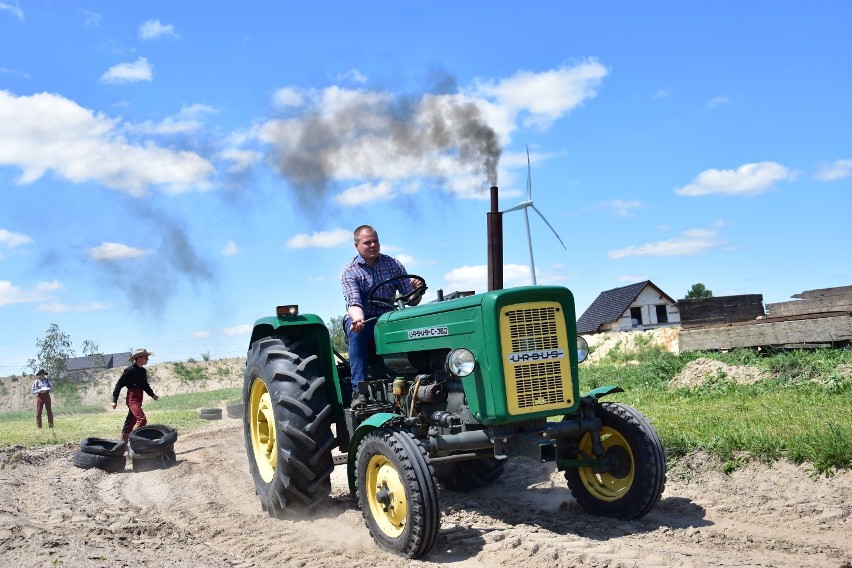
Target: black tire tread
110, 464
422, 499
151, 437
303, 417
103, 447
649, 466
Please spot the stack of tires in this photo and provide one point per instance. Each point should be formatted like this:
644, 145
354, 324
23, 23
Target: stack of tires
234, 410
152, 447
107, 455
210, 413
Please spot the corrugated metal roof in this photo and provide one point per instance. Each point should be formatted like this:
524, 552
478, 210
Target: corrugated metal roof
109, 361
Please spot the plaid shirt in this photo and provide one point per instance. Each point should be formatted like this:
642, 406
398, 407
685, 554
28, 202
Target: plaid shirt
359, 277
39, 384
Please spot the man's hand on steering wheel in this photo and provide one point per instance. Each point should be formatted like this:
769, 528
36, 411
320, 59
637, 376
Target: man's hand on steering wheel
418, 284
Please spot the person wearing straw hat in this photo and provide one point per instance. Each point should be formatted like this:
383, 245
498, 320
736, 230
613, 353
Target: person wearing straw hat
135, 379
41, 388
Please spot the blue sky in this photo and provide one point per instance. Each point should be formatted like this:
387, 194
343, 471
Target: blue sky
171, 171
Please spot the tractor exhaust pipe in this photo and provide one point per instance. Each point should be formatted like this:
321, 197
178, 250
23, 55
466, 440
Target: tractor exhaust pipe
495, 244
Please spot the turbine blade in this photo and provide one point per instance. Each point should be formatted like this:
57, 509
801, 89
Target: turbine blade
517, 206
549, 225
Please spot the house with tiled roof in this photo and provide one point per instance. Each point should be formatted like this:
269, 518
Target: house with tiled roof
638, 306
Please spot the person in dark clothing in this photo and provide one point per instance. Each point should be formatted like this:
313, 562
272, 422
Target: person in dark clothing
41, 388
135, 379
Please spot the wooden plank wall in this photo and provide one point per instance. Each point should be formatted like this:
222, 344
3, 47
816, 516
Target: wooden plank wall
695, 312
819, 318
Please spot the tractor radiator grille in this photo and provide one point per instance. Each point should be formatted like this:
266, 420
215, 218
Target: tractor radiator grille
537, 364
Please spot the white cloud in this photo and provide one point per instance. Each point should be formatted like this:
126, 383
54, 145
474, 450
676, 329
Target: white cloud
110, 252
200, 334
548, 95
139, 70
320, 239
11, 240
153, 29
237, 330
408, 261
10, 294
748, 179
621, 208
49, 132
452, 139
662, 94
231, 248
718, 101
241, 160
364, 194
60, 308
90, 19
688, 243
353, 75
476, 278
15, 9
837, 169
288, 97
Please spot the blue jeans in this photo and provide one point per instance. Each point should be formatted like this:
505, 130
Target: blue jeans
359, 350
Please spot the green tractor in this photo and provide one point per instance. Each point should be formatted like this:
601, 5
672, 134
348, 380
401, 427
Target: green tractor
456, 388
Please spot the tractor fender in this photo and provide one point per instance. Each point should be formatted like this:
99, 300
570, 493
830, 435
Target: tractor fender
603, 391
375, 421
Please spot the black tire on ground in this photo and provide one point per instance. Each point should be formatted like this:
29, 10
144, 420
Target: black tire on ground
150, 438
397, 492
210, 414
163, 461
102, 447
110, 464
462, 476
635, 482
287, 426
234, 410
155, 453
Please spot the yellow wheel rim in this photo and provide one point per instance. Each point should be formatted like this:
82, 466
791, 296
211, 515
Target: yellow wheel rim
613, 485
262, 425
385, 493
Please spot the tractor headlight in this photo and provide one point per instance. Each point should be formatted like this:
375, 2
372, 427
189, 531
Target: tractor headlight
582, 349
460, 362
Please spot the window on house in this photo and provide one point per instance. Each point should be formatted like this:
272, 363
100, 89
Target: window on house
636, 316
662, 315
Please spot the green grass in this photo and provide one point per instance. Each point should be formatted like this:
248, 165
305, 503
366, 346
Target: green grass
802, 412
73, 423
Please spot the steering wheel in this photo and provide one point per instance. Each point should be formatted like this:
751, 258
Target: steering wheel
406, 299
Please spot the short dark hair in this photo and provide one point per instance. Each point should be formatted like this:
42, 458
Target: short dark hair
363, 228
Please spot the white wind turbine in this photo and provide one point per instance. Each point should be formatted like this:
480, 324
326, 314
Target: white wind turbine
526, 205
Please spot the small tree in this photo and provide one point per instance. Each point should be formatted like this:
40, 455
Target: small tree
699, 291
338, 337
90, 350
54, 350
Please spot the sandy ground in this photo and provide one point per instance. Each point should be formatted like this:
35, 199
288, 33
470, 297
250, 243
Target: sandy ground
204, 512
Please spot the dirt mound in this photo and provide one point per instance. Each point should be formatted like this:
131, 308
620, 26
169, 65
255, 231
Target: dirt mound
703, 370
627, 342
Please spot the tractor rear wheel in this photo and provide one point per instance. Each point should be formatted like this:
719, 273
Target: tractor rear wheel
397, 492
636, 473
287, 427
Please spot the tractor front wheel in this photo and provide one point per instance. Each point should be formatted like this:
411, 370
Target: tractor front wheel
397, 492
633, 473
